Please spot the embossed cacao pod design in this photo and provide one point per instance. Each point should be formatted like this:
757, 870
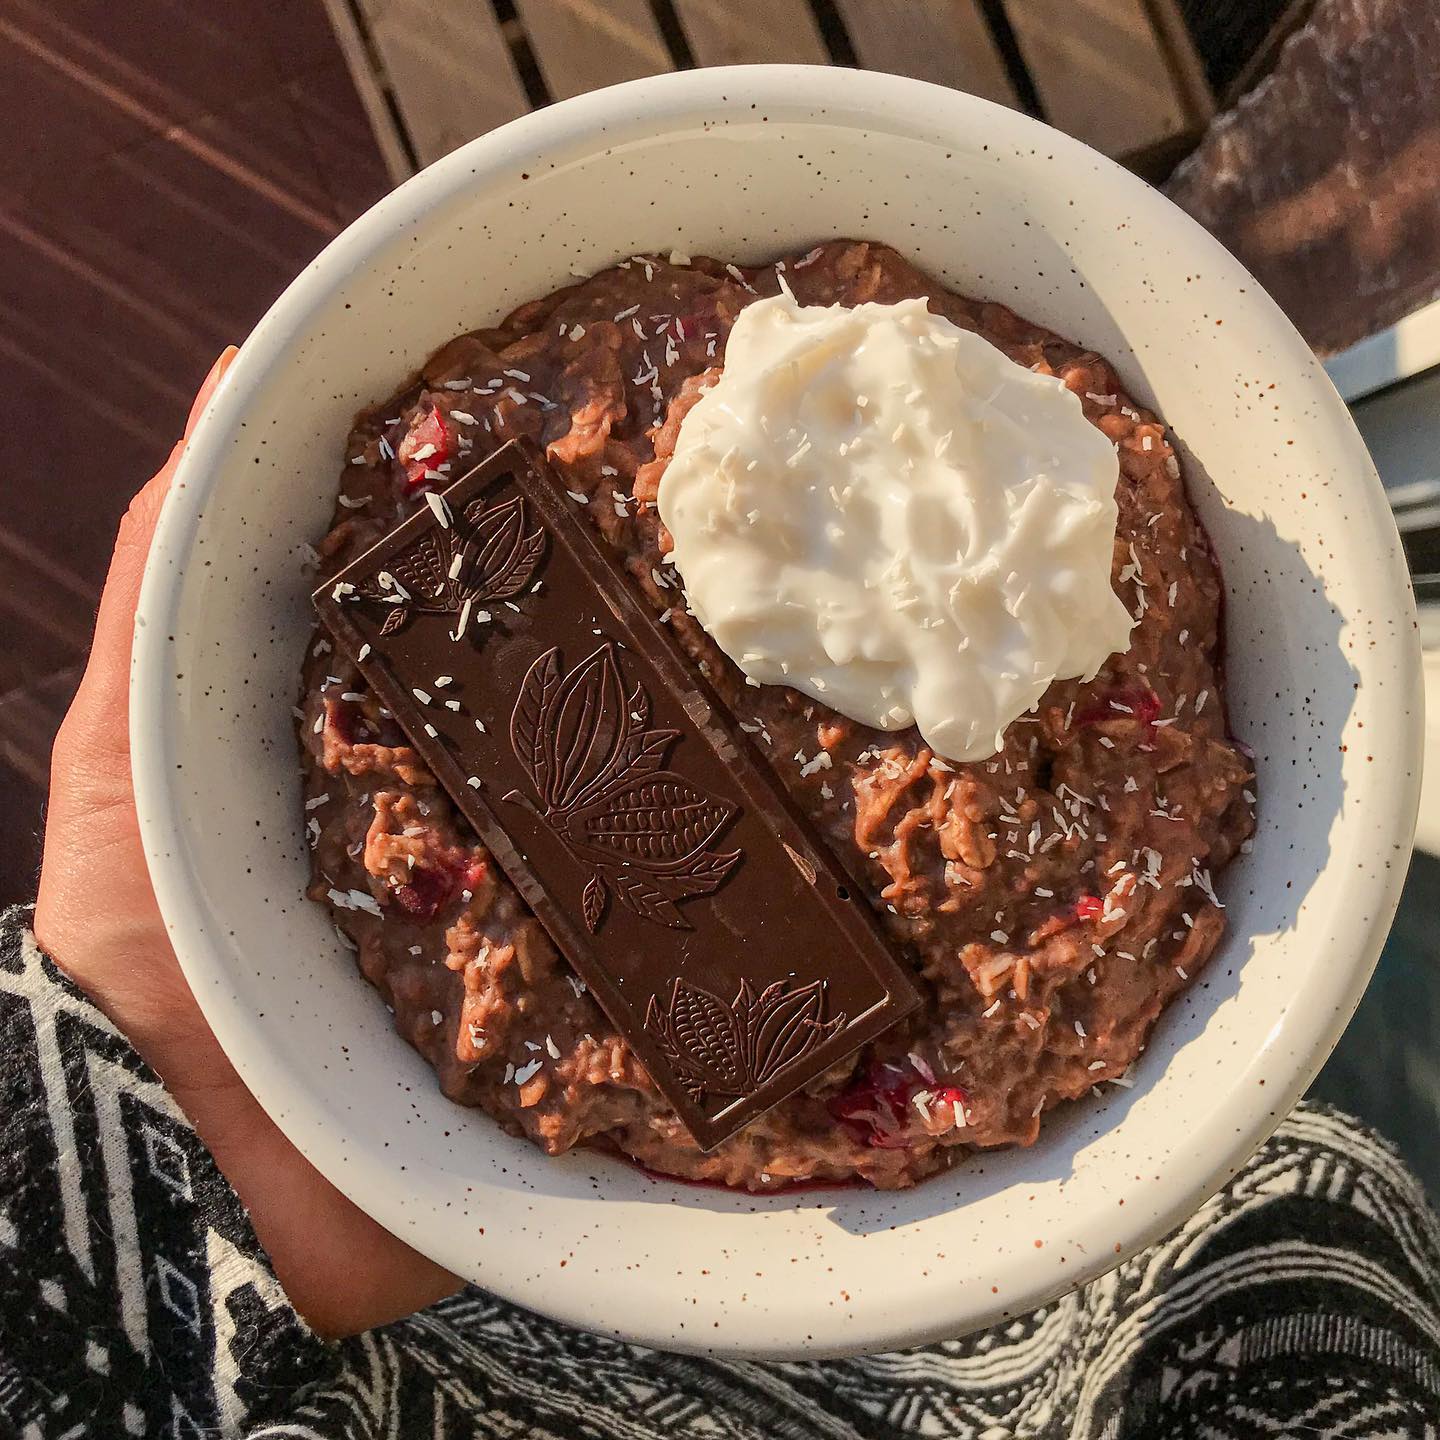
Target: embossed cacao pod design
484, 554
645, 831
735, 1049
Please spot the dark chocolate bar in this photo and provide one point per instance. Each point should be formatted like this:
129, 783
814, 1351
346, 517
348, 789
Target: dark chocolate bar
665, 859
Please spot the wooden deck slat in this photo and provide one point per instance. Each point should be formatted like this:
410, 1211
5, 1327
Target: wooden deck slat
944, 41
748, 32
581, 45
351, 40
1099, 70
449, 68
1120, 74
1187, 68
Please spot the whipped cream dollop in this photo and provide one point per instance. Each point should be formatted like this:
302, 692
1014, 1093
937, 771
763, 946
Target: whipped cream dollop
884, 511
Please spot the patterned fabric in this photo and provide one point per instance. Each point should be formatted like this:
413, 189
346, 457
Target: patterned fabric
135, 1300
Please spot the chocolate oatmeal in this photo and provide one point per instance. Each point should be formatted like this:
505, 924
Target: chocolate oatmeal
1051, 899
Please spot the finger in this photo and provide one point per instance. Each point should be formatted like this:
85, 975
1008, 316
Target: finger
107, 673
137, 525
209, 386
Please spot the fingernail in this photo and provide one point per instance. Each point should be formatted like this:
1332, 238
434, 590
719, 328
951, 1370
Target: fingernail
218, 369
207, 387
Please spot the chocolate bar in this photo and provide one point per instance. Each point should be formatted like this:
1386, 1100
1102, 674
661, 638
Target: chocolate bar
611, 786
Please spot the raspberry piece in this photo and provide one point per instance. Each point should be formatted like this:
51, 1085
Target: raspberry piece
1140, 704
426, 446
879, 1108
424, 893
340, 719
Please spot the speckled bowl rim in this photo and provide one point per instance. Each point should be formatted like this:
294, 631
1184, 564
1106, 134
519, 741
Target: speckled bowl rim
1221, 1144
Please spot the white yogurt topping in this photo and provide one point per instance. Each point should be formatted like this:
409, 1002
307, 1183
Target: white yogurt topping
884, 511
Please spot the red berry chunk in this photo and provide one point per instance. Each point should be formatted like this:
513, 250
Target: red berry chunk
426, 447
431, 887
341, 719
1089, 907
351, 726
1143, 705
425, 892
879, 1107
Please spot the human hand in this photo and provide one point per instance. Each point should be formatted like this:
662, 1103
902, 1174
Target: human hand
96, 916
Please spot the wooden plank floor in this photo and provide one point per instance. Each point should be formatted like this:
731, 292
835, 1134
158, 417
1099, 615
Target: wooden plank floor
1100, 72
434, 55
752, 32
1119, 74
180, 163
582, 44
945, 44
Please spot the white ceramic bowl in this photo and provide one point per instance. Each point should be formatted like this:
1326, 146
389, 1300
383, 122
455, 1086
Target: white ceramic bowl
745, 164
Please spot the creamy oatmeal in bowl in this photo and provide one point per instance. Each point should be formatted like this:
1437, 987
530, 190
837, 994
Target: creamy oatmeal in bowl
1083, 280
1047, 877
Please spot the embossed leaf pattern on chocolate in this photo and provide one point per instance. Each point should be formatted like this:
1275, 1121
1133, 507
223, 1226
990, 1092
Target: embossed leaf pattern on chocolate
483, 554
645, 832
735, 1049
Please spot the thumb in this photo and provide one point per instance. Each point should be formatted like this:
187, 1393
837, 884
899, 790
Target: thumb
209, 386
107, 673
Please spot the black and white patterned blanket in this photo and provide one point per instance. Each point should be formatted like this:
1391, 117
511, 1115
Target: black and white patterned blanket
135, 1301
